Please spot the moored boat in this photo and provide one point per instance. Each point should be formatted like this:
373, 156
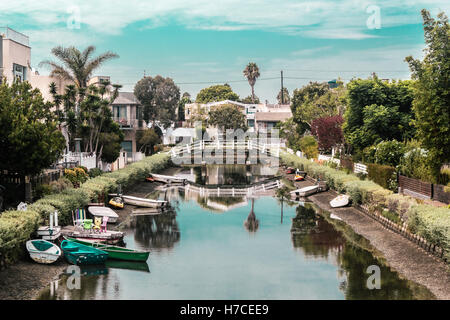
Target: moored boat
299, 177
340, 201
143, 202
116, 202
115, 252
306, 191
43, 251
167, 179
77, 253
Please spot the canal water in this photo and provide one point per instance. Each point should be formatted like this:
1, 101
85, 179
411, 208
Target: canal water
239, 248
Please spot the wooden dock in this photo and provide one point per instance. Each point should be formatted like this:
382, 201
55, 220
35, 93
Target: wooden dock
109, 237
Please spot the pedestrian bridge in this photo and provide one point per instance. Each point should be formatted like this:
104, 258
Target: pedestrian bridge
241, 150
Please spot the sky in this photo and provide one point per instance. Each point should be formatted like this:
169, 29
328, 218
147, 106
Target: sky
199, 43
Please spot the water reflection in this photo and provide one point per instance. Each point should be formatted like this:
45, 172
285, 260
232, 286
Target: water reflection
231, 174
156, 232
251, 223
318, 238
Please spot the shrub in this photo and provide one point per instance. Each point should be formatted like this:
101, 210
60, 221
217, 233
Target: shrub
389, 152
16, 227
309, 146
41, 190
431, 223
95, 172
60, 185
383, 175
415, 163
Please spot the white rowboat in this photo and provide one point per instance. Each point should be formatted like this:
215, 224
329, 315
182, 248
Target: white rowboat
43, 251
167, 179
142, 202
340, 201
306, 191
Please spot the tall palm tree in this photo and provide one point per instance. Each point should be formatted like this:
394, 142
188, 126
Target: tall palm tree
75, 65
251, 72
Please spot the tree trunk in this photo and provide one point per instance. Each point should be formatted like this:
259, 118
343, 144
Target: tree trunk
253, 94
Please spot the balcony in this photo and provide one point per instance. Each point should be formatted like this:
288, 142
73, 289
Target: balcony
129, 124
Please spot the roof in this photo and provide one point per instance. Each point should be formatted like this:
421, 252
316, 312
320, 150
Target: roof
272, 116
126, 98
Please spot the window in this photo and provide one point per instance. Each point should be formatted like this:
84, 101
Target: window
120, 112
19, 72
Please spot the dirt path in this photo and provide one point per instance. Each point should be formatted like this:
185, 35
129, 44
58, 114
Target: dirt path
408, 259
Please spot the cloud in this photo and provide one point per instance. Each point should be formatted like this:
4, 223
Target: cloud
344, 19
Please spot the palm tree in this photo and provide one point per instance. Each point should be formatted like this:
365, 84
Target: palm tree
283, 194
252, 224
75, 65
251, 71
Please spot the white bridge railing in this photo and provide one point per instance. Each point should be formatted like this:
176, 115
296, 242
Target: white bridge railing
232, 192
201, 145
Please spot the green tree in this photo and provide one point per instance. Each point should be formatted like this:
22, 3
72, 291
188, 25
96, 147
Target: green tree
159, 97
377, 110
289, 131
147, 139
228, 116
309, 146
313, 101
215, 93
286, 98
251, 72
29, 134
75, 65
431, 103
92, 119
249, 100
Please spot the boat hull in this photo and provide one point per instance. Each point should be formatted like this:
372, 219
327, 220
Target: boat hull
47, 256
340, 201
118, 253
307, 191
80, 254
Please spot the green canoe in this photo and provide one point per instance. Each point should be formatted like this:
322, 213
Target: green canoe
115, 252
77, 253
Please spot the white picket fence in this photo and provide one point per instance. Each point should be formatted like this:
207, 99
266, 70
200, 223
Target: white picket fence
357, 167
85, 159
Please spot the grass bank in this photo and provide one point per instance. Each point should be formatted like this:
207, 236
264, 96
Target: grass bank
431, 223
16, 227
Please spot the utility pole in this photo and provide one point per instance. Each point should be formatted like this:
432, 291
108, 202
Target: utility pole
282, 93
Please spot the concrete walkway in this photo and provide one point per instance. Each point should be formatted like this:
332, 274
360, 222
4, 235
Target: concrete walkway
407, 258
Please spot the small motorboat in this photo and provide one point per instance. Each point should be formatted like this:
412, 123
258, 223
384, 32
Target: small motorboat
290, 170
306, 191
340, 201
115, 252
80, 254
103, 212
43, 251
150, 179
116, 202
299, 177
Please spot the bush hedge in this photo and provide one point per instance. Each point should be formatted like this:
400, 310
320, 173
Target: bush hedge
430, 222
382, 174
17, 226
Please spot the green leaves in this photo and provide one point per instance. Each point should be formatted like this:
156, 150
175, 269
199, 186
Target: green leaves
228, 117
431, 103
29, 135
216, 93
